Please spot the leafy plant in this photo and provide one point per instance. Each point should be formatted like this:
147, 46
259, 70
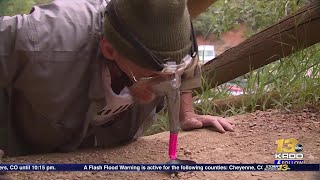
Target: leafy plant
13, 7
225, 15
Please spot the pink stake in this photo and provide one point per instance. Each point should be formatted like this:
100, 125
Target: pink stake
173, 141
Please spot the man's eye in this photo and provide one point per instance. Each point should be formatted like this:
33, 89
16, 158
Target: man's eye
146, 78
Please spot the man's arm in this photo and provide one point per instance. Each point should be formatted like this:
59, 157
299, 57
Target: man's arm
186, 108
190, 79
186, 102
13, 41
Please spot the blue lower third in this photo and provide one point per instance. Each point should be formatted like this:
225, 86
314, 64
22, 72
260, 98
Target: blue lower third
281, 161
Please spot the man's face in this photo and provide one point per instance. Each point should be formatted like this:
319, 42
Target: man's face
143, 78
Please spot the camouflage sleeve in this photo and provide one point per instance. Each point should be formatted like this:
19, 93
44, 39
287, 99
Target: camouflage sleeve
191, 78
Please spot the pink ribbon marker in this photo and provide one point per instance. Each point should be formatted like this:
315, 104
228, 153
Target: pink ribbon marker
173, 141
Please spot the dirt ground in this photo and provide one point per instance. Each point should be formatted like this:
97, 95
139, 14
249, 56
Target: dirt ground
253, 142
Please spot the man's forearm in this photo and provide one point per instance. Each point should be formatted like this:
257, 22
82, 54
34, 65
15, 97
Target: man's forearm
186, 104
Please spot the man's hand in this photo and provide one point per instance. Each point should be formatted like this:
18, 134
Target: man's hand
190, 120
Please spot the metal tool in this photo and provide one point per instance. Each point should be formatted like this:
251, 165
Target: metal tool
170, 89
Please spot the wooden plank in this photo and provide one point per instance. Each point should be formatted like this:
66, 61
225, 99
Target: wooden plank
291, 34
196, 7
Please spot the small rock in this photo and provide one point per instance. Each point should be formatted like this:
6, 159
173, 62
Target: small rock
173, 175
187, 152
250, 130
311, 157
304, 115
258, 112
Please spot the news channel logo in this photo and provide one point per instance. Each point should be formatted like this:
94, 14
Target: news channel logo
289, 151
277, 167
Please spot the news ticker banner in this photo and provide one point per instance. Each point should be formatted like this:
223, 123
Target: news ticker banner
158, 167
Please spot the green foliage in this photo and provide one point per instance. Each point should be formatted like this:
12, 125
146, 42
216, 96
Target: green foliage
225, 15
13, 7
296, 79
161, 124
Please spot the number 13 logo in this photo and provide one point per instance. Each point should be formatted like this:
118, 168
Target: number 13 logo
286, 145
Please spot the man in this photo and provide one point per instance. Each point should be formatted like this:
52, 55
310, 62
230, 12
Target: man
71, 67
